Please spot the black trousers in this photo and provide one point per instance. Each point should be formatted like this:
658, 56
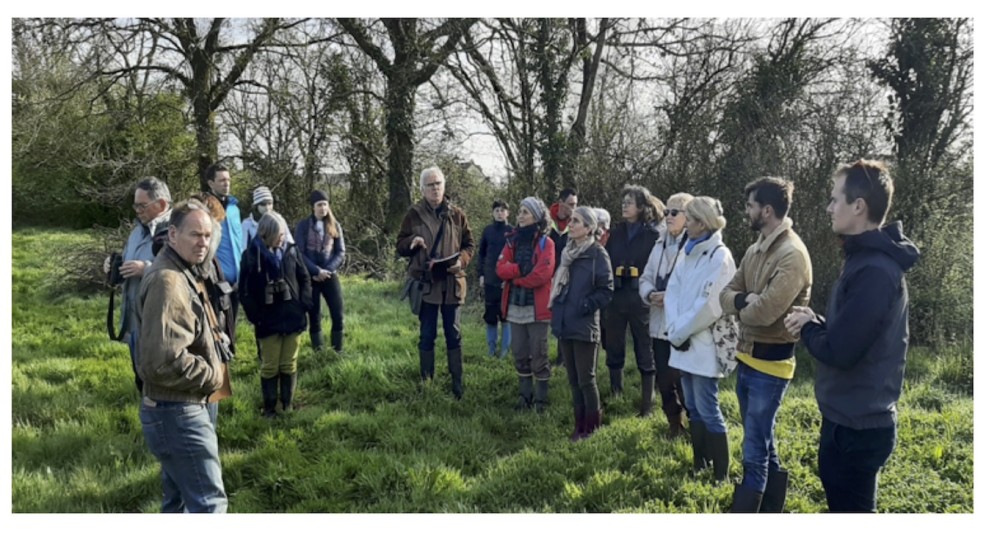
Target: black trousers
615, 322
849, 462
332, 294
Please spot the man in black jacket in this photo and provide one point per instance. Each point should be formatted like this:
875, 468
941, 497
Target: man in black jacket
860, 346
490, 246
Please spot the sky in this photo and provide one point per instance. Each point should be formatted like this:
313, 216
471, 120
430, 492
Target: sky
986, 466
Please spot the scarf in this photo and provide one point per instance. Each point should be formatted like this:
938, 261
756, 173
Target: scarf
569, 255
271, 259
524, 251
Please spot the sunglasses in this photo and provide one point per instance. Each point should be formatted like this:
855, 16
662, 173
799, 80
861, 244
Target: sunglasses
673, 212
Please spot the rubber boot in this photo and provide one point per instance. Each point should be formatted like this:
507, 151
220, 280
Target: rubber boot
616, 382
773, 500
541, 396
593, 423
524, 399
718, 453
491, 339
504, 341
288, 382
316, 338
646, 406
455, 368
745, 500
337, 340
698, 445
269, 391
579, 414
676, 428
427, 365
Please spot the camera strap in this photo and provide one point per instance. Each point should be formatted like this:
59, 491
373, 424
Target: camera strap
111, 318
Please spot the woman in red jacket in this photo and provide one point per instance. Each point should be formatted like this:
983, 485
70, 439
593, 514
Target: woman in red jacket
526, 266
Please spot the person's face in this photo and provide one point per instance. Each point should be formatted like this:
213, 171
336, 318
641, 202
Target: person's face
192, 239
264, 208
755, 213
277, 240
220, 185
524, 217
567, 206
500, 215
676, 219
630, 211
695, 228
145, 208
576, 229
434, 190
321, 209
845, 218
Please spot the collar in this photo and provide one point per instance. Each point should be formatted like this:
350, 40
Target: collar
764, 244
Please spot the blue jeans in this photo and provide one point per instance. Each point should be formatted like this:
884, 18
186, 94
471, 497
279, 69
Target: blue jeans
759, 395
428, 325
183, 439
701, 397
849, 462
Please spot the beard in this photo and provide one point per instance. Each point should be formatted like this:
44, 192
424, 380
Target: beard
757, 223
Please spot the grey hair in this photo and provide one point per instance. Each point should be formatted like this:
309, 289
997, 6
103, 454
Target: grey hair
603, 218
156, 189
427, 172
589, 217
271, 225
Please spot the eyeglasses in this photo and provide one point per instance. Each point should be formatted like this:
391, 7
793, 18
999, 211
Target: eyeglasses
673, 212
627, 203
141, 206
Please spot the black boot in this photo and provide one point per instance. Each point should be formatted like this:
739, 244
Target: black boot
745, 500
269, 391
616, 382
717, 445
288, 381
455, 368
773, 500
676, 426
698, 445
316, 339
648, 380
426, 365
580, 415
337, 340
541, 396
524, 398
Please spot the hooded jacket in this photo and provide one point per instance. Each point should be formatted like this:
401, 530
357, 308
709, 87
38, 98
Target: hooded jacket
576, 311
422, 220
539, 280
692, 305
860, 346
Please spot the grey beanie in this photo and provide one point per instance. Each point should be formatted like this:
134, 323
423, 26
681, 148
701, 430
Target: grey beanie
535, 207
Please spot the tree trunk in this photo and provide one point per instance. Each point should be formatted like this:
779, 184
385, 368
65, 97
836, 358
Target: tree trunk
400, 104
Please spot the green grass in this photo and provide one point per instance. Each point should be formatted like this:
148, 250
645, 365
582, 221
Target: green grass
368, 437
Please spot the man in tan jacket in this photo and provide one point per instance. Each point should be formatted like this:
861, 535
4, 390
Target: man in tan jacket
774, 276
180, 368
435, 235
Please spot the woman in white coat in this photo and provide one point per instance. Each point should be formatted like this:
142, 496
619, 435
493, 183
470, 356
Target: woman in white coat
704, 267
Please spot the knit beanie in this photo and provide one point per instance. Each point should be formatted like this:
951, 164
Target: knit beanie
262, 194
535, 207
317, 196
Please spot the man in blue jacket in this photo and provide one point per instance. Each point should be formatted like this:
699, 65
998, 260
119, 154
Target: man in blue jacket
860, 346
231, 248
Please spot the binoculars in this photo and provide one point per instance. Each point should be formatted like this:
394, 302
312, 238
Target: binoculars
626, 276
278, 289
661, 282
115, 274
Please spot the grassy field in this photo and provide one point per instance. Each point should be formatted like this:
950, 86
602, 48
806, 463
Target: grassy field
366, 438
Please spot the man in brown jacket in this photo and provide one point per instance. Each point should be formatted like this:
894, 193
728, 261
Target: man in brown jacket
435, 235
774, 276
180, 368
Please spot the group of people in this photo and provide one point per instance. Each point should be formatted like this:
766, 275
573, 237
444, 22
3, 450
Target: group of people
662, 275
186, 269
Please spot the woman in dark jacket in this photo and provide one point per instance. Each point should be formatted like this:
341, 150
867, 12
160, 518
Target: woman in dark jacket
275, 292
526, 266
321, 240
491, 244
629, 246
581, 287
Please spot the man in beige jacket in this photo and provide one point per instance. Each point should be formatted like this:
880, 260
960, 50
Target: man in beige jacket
774, 276
180, 367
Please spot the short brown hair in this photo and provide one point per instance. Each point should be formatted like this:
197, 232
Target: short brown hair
773, 191
870, 181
